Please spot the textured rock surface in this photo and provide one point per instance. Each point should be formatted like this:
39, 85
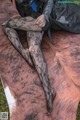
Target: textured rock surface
63, 61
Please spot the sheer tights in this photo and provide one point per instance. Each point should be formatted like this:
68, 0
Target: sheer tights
33, 55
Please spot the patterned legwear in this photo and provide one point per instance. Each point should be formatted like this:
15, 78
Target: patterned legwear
33, 55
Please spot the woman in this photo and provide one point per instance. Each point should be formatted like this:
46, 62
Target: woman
33, 55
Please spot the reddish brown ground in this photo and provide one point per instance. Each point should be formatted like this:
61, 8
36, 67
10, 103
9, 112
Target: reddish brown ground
63, 61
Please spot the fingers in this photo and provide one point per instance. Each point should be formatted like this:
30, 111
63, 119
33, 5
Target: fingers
40, 21
42, 24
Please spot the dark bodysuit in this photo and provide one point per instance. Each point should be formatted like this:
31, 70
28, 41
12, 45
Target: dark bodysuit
63, 16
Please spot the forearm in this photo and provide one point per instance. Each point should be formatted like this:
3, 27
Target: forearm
48, 9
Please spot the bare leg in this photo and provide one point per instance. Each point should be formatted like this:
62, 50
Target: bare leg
34, 41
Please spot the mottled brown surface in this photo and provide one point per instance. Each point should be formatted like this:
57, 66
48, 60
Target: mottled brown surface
63, 61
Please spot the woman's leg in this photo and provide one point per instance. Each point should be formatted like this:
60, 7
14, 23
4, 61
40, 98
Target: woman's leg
14, 39
23, 23
34, 41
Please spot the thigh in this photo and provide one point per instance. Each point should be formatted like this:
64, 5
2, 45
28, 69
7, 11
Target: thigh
18, 20
23, 23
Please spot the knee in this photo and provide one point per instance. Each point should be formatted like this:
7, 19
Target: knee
33, 49
5, 25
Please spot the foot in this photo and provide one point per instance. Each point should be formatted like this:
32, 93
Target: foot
50, 99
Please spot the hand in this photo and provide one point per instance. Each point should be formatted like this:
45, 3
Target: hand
40, 21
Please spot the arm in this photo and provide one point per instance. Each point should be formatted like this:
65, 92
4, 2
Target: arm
48, 9
42, 19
